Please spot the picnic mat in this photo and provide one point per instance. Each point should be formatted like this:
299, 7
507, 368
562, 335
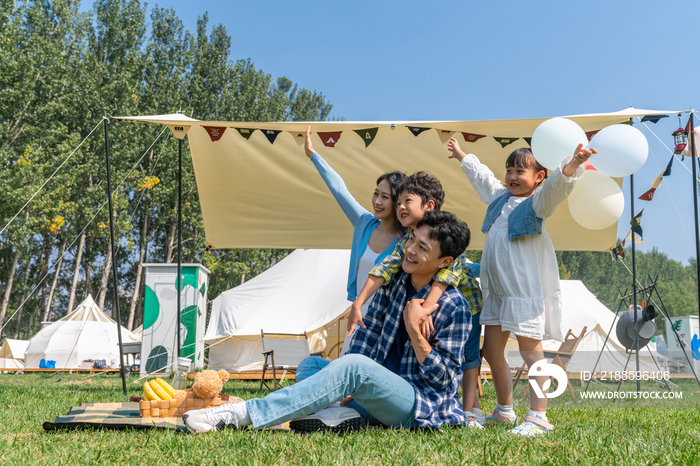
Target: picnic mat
112, 416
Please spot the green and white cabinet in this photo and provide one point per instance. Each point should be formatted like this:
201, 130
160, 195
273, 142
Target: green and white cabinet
159, 345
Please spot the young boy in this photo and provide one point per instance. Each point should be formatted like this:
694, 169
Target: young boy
393, 373
418, 194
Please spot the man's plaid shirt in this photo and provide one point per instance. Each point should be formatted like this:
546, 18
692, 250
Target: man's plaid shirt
457, 274
436, 381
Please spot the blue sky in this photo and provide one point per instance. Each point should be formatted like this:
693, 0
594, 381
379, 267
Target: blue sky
476, 60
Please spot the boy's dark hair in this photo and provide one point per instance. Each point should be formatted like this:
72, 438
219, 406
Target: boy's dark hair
524, 157
425, 186
395, 179
451, 233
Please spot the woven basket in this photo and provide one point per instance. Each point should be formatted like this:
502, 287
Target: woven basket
176, 408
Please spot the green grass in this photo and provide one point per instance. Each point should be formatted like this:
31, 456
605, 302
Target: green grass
631, 433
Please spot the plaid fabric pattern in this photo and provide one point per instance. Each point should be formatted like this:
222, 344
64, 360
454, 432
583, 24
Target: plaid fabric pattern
457, 274
436, 381
112, 416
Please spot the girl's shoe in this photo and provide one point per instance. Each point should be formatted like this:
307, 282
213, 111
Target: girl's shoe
471, 421
532, 426
496, 418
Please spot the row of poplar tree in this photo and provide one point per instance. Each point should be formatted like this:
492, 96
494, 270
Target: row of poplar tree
62, 71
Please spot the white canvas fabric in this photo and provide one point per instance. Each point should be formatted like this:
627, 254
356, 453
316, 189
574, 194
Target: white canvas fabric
287, 352
12, 353
304, 292
85, 333
255, 194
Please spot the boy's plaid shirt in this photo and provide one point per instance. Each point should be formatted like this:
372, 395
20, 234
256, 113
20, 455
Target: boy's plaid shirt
436, 381
457, 274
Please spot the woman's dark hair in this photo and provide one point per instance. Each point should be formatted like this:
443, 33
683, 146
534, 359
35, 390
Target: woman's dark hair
394, 179
523, 157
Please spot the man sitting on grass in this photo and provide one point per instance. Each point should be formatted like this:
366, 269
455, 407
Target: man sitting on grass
392, 372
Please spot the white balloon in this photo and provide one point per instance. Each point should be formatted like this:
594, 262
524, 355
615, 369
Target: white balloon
622, 150
555, 139
596, 202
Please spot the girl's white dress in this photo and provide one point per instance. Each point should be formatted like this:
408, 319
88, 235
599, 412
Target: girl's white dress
520, 276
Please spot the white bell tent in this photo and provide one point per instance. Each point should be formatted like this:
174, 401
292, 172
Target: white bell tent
12, 353
86, 333
304, 292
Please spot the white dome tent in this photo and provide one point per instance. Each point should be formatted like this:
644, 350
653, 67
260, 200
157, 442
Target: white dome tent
86, 333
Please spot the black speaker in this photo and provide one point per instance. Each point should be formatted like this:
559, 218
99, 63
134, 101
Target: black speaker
644, 326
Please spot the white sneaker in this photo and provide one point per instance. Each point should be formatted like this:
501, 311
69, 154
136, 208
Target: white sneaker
480, 419
473, 422
532, 426
337, 419
213, 419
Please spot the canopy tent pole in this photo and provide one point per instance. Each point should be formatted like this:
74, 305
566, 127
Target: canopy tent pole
114, 259
694, 162
179, 246
634, 282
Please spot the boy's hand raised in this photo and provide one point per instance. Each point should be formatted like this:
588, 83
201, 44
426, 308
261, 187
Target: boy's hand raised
354, 319
457, 152
308, 147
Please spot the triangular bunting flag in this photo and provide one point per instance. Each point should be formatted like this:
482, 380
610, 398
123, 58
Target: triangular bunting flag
444, 135
636, 240
637, 219
298, 137
505, 141
271, 134
618, 250
367, 135
667, 172
215, 132
416, 130
656, 182
245, 132
653, 118
638, 230
587, 165
330, 138
472, 137
528, 141
648, 196
636, 223
590, 134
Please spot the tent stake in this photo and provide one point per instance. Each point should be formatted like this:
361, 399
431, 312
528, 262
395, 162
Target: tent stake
114, 259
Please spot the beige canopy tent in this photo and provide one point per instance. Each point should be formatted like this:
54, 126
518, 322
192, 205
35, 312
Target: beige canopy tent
258, 190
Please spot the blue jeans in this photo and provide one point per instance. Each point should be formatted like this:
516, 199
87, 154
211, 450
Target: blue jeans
382, 394
472, 357
311, 365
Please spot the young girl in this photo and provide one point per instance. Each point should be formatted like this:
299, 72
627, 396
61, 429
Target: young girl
519, 273
374, 234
